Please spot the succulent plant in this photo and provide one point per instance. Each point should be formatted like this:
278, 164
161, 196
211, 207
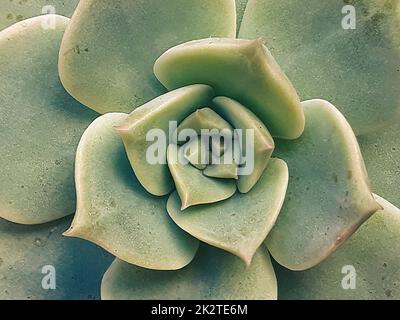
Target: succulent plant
86, 102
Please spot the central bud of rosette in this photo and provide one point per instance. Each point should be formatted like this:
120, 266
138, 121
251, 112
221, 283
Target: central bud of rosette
209, 136
207, 155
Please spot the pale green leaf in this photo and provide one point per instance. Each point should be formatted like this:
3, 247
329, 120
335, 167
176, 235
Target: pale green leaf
13, 11
193, 187
108, 52
156, 117
32, 255
40, 125
366, 267
355, 69
115, 212
328, 196
381, 151
240, 69
213, 275
261, 143
241, 223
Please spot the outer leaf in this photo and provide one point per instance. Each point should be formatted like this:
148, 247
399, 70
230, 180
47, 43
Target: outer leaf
212, 275
373, 252
114, 210
240, 69
125, 38
328, 193
28, 252
356, 69
381, 152
158, 114
192, 186
15, 11
241, 223
40, 125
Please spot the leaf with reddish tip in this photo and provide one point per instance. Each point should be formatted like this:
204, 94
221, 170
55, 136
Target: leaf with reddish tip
115, 212
328, 194
156, 116
367, 265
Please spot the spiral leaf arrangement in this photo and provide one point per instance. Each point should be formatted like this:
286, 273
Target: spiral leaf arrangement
195, 159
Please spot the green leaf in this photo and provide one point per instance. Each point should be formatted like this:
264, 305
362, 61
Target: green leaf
222, 170
372, 253
381, 151
115, 212
40, 125
27, 254
196, 152
15, 11
193, 187
202, 119
328, 194
240, 69
213, 274
356, 69
125, 38
262, 144
155, 117
241, 223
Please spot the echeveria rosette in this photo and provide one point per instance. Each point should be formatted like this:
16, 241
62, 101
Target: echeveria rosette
327, 175
255, 94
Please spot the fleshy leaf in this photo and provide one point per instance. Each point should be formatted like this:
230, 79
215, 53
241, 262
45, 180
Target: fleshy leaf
15, 11
368, 264
125, 38
263, 144
224, 164
115, 212
213, 275
328, 194
356, 69
197, 153
192, 186
157, 115
240, 224
222, 170
28, 253
206, 119
381, 151
40, 125
240, 69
